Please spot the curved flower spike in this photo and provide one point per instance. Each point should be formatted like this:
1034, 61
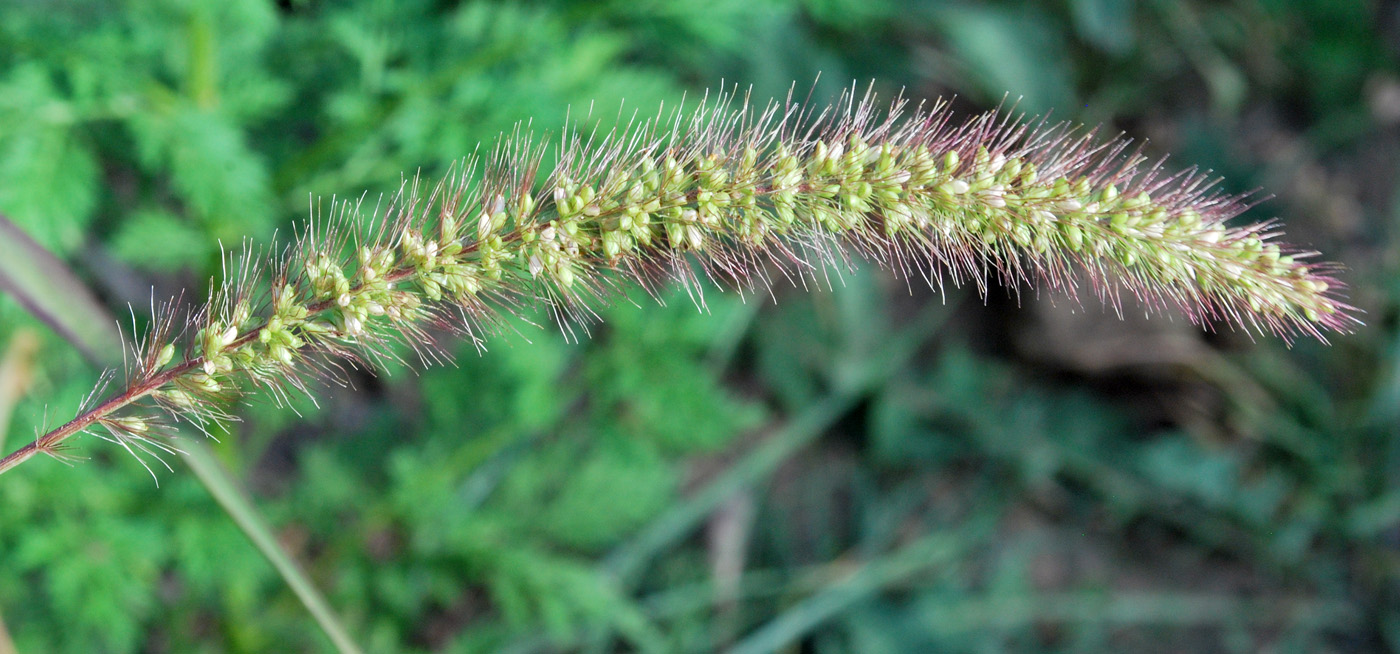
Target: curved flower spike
744, 192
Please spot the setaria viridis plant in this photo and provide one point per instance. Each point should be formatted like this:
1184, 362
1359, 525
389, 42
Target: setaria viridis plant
734, 193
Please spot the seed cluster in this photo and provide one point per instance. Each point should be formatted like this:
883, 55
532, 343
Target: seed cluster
745, 194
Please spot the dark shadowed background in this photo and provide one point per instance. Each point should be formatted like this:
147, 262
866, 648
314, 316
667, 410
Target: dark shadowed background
862, 469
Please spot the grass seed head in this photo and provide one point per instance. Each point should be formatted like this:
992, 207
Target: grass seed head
747, 193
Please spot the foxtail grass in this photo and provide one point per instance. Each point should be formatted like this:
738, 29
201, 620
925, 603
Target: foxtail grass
729, 193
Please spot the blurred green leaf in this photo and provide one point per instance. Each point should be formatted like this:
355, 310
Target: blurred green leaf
48, 184
1108, 24
1017, 55
159, 240
216, 175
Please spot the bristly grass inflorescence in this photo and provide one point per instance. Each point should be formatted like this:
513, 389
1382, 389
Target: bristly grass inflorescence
730, 192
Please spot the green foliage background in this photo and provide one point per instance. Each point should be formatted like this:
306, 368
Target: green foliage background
868, 469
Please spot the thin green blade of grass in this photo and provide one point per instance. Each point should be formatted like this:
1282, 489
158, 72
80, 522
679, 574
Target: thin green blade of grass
51, 292
241, 510
628, 560
977, 614
865, 581
46, 286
